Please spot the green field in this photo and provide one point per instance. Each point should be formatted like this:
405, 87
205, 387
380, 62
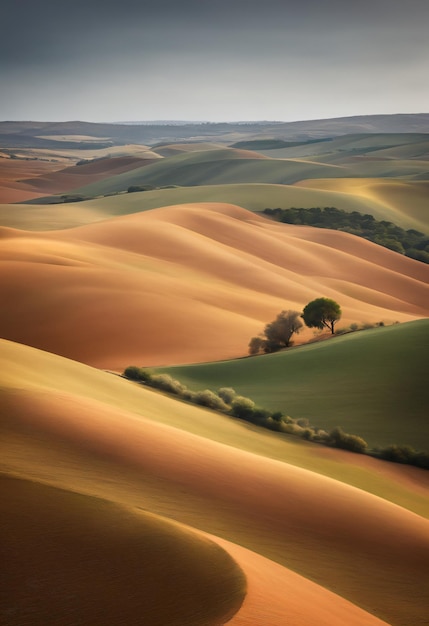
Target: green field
372, 383
212, 167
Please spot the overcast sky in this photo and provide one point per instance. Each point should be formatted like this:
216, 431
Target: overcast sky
212, 60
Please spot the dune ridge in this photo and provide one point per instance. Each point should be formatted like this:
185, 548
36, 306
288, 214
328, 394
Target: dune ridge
89, 561
265, 505
149, 270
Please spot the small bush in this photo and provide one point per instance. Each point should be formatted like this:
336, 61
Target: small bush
277, 416
137, 373
303, 422
132, 372
166, 383
188, 395
210, 399
308, 434
135, 188
227, 394
242, 407
339, 439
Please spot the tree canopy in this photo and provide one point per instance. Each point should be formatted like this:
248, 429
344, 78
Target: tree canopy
277, 334
321, 313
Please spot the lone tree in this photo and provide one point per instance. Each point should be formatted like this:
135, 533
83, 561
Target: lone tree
321, 313
277, 334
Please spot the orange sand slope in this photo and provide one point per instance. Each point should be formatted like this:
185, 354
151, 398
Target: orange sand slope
189, 283
87, 561
59, 428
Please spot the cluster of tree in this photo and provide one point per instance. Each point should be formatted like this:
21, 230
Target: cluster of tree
71, 198
411, 243
135, 188
320, 313
227, 401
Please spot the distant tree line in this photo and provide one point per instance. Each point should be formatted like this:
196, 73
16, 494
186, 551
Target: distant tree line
411, 242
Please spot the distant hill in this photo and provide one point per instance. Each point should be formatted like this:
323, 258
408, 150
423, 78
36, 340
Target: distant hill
14, 133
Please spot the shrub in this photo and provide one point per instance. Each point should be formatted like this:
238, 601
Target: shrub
277, 416
132, 372
339, 439
227, 394
137, 373
210, 399
308, 434
189, 395
166, 383
242, 407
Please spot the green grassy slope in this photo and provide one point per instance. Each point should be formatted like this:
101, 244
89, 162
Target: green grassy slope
356, 144
35, 215
213, 167
371, 383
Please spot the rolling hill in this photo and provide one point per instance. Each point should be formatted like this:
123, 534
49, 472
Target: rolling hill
121, 504
117, 465
166, 276
214, 167
371, 383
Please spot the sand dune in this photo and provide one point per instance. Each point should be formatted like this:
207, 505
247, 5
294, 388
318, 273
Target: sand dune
189, 283
365, 549
87, 561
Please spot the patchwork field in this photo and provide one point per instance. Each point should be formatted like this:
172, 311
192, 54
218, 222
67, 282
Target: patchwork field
121, 504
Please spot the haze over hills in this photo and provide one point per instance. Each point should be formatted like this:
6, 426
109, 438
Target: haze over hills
27, 134
142, 244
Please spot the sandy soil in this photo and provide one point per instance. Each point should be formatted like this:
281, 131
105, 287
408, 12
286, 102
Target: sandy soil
189, 283
298, 526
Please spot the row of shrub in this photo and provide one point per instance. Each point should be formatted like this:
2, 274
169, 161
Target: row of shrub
227, 401
354, 327
411, 242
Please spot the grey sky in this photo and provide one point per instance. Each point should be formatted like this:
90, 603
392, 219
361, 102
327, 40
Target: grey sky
220, 61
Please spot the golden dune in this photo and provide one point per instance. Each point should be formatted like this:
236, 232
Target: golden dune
372, 553
84, 560
189, 283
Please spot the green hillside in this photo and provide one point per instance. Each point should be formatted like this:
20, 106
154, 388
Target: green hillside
402, 145
36, 215
213, 167
372, 383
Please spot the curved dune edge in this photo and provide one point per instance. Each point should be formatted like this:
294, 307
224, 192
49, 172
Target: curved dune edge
276, 596
166, 276
88, 561
342, 538
23, 367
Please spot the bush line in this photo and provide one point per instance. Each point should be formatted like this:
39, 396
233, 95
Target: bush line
227, 401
